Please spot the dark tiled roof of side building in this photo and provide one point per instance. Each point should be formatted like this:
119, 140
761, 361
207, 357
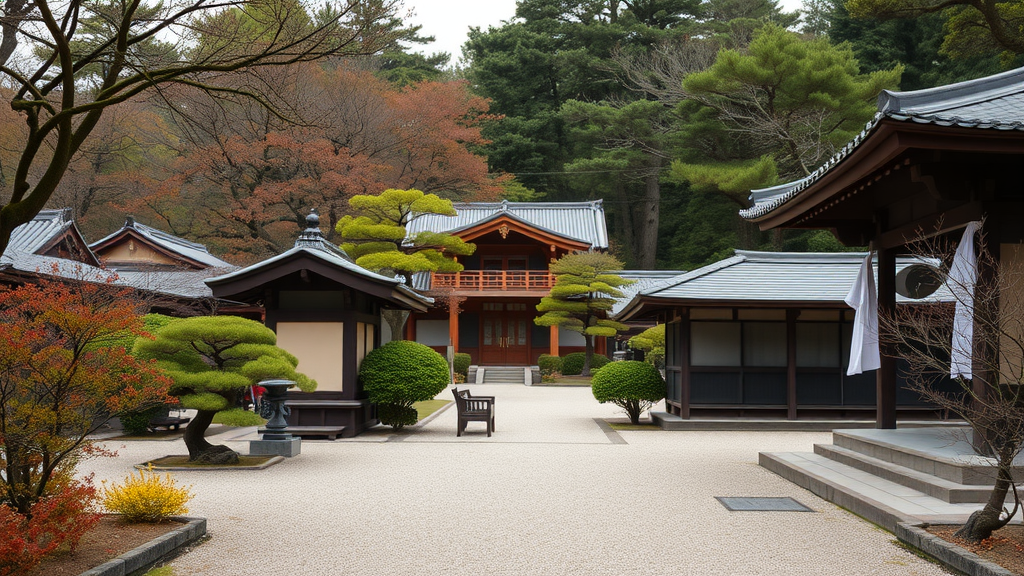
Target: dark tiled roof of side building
990, 103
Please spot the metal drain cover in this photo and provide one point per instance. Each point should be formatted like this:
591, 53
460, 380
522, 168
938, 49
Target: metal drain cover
756, 504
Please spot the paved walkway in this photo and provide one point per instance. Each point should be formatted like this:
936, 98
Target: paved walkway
552, 492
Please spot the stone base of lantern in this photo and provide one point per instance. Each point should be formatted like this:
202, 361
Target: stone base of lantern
287, 448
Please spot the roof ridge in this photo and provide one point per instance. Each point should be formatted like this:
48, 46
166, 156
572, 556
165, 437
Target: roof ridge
957, 94
694, 274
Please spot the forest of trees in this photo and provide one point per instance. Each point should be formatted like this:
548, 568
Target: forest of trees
669, 110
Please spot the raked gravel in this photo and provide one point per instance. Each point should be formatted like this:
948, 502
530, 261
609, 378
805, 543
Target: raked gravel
552, 492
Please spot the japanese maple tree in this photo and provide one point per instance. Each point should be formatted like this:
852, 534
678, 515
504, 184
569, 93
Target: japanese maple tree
64, 373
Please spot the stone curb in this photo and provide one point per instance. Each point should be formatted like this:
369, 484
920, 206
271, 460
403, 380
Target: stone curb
153, 551
948, 553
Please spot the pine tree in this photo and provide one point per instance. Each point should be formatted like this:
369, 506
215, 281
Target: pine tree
585, 290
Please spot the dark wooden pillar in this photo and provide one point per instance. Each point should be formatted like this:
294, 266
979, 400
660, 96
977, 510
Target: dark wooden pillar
885, 383
684, 364
985, 343
350, 370
791, 363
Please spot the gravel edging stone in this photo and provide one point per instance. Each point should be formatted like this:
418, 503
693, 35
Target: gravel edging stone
948, 553
150, 553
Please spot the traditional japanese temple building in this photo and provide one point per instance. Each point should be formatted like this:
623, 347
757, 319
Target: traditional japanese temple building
766, 334
931, 161
505, 278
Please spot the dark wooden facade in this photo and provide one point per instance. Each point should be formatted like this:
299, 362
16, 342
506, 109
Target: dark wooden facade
933, 161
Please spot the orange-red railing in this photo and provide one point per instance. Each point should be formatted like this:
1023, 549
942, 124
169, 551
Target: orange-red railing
496, 280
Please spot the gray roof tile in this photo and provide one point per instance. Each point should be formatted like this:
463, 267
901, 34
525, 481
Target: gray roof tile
581, 221
990, 103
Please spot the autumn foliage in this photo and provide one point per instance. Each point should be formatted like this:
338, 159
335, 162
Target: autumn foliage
245, 179
54, 521
63, 374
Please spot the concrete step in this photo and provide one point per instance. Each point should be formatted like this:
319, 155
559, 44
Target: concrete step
972, 471
878, 500
925, 483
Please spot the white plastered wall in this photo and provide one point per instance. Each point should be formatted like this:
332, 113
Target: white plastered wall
318, 346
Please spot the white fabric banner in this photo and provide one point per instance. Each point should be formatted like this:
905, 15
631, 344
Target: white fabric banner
864, 344
963, 274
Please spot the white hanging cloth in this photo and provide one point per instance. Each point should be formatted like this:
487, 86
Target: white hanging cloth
963, 274
864, 343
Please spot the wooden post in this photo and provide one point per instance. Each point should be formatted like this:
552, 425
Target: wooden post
453, 326
885, 378
791, 363
554, 340
684, 364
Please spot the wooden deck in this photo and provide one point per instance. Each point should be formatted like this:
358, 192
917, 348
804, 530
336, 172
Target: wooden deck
504, 281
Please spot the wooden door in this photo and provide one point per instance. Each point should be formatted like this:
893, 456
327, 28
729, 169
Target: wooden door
505, 334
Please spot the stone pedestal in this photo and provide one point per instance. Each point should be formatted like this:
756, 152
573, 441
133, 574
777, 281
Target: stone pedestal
288, 448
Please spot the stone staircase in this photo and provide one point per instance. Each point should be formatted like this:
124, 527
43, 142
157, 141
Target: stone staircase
890, 476
503, 374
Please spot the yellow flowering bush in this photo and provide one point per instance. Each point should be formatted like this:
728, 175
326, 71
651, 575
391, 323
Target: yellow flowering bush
147, 497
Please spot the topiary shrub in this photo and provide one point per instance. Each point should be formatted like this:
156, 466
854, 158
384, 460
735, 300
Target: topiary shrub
549, 364
572, 364
400, 373
631, 385
461, 363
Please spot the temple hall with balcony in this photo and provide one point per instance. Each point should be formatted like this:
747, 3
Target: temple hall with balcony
503, 281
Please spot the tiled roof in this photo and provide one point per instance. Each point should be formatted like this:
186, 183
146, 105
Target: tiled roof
190, 250
32, 236
990, 103
821, 278
312, 243
581, 221
174, 283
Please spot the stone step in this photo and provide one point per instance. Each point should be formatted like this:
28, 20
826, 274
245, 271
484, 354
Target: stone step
972, 471
878, 500
933, 486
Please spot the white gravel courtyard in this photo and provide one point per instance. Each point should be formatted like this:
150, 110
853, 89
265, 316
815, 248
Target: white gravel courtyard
552, 492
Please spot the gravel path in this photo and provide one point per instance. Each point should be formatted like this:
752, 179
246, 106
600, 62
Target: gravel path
552, 492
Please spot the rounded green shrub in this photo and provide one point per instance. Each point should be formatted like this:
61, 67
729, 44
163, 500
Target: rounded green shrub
631, 385
572, 364
400, 373
549, 364
461, 363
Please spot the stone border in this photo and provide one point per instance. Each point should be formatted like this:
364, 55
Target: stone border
948, 553
153, 551
158, 468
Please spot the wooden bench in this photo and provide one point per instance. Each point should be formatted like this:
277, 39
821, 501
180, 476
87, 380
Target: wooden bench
331, 432
473, 409
167, 422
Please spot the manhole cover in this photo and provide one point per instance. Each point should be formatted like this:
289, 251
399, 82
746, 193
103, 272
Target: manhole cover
745, 504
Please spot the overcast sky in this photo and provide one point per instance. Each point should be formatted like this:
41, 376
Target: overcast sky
449, 20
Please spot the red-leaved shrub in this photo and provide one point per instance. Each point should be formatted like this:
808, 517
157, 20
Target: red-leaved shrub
60, 518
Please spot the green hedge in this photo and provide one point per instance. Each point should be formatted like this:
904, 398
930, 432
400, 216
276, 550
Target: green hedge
461, 363
400, 373
549, 364
572, 364
631, 385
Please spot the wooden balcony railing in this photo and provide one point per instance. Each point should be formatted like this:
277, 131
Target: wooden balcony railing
496, 280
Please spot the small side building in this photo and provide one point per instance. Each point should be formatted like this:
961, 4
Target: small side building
325, 310
766, 334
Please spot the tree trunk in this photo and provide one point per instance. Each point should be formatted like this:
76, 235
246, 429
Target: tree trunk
396, 321
984, 522
633, 410
199, 450
589, 354
648, 238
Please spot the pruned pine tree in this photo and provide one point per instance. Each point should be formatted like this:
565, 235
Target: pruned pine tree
377, 238
585, 289
212, 359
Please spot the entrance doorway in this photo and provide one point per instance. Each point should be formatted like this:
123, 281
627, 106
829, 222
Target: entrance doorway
505, 334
